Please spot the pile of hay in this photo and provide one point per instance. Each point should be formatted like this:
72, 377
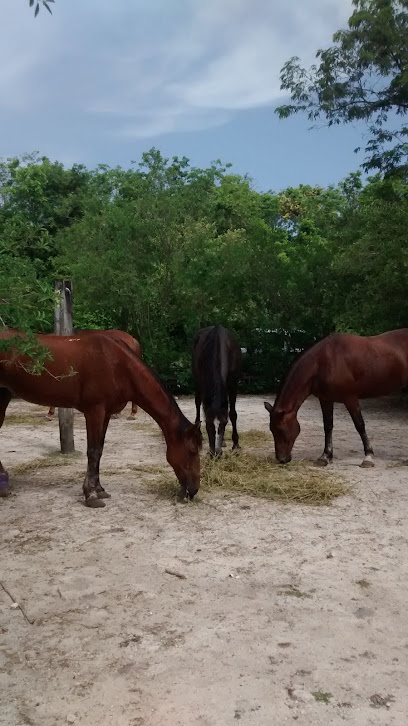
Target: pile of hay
43, 462
256, 475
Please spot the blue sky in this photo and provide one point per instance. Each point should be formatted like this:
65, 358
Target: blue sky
101, 81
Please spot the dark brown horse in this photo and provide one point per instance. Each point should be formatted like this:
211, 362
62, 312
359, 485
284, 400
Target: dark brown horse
98, 375
216, 367
340, 368
117, 335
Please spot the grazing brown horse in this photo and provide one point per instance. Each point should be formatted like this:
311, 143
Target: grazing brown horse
340, 368
216, 368
98, 375
117, 335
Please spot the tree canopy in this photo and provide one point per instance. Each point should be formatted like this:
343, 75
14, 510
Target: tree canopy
163, 248
362, 76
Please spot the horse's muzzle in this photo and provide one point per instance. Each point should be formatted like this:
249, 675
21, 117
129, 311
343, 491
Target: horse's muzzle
285, 459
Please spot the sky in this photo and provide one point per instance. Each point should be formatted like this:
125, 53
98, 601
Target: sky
101, 81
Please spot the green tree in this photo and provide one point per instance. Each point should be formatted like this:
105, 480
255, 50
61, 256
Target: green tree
370, 268
362, 76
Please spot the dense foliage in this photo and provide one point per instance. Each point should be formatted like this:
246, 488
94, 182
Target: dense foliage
162, 249
362, 76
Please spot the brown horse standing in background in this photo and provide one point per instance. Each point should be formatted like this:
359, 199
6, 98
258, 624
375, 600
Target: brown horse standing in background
216, 368
340, 368
98, 375
117, 335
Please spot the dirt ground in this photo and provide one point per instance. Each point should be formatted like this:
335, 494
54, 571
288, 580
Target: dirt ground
285, 614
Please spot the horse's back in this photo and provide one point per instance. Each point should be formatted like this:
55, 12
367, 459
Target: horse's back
74, 375
216, 343
363, 366
122, 335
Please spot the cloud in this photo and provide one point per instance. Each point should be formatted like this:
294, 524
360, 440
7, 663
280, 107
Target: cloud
149, 69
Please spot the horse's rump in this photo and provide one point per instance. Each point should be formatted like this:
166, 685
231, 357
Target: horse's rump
216, 364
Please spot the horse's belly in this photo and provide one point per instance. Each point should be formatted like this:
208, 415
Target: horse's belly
43, 390
366, 386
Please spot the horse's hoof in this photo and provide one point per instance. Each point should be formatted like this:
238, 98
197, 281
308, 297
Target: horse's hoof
321, 462
131, 417
367, 464
103, 494
94, 503
236, 447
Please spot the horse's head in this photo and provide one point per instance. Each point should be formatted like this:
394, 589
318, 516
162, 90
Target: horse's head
183, 454
285, 429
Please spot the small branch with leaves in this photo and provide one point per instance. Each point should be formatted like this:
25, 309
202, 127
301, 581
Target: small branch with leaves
44, 3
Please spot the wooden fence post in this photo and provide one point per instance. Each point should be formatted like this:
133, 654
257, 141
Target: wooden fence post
63, 326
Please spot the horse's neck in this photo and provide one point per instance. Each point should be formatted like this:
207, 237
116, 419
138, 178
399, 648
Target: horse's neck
150, 395
296, 389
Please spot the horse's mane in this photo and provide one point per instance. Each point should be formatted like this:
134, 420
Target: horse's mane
213, 373
287, 379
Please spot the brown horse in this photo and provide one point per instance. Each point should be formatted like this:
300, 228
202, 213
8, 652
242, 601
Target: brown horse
117, 335
97, 375
216, 368
340, 368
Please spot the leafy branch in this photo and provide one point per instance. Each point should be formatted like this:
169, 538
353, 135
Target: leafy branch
44, 3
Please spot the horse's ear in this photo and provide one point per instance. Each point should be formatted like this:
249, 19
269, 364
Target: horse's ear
268, 406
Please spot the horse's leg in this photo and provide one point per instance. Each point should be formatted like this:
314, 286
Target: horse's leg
232, 395
133, 412
96, 424
5, 398
353, 407
100, 491
209, 425
50, 414
327, 456
219, 438
198, 405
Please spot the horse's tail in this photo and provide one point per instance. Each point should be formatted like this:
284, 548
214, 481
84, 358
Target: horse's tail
216, 360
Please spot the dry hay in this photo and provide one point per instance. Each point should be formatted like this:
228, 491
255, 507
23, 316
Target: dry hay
43, 462
21, 419
254, 438
255, 475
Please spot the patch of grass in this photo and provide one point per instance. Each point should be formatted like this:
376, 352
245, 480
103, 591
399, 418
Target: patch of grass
293, 591
24, 419
43, 462
146, 468
257, 476
322, 697
253, 438
364, 584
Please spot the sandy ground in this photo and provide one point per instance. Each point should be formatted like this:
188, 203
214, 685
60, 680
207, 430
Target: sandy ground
286, 613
